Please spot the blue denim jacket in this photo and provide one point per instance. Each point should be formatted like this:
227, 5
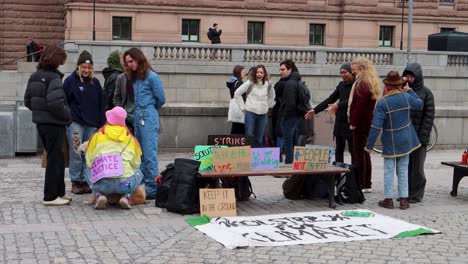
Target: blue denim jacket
392, 116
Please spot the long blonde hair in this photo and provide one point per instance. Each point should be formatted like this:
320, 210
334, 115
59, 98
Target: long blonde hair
368, 74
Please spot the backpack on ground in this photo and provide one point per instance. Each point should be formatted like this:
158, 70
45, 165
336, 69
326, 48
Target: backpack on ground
164, 186
242, 187
303, 98
305, 187
347, 185
293, 186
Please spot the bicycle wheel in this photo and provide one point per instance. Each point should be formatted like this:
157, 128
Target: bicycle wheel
432, 138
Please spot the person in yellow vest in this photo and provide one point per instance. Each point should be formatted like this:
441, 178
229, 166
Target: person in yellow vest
114, 157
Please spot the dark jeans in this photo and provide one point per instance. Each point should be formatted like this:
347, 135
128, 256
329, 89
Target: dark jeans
340, 147
53, 137
291, 137
416, 175
362, 159
255, 127
237, 129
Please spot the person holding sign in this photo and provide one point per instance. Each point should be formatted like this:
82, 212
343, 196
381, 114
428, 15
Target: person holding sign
260, 97
399, 138
149, 98
113, 155
365, 92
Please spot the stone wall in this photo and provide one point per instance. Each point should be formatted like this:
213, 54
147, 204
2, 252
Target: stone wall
20, 19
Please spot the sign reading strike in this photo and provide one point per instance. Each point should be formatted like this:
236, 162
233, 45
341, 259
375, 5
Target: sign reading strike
311, 158
232, 159
265, 158
107, 165
307, 228
204, 154
228, 140
217, 202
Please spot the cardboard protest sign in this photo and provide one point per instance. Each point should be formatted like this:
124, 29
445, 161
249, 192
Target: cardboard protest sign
218, 202
265, 158
204, 154
229, 140
232, 159
331, 157
311, 158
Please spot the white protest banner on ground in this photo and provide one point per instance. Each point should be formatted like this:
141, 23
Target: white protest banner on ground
307, 228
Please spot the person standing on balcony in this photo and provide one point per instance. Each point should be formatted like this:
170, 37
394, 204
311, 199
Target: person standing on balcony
85, 97
149, 98
214, 34
45, 97
365, 92
260, 96
423, 120
337, 104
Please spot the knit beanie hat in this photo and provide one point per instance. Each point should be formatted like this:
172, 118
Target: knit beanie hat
114, 61
346, 67
85, 57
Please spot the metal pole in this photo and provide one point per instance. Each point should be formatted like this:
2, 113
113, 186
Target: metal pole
402, 22
94, 20
410, 29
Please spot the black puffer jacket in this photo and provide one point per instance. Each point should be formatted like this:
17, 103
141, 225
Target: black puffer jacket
289, 100
341, 94
110, 76
422, 119
45, 97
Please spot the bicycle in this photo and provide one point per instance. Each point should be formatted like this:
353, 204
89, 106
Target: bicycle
430, 146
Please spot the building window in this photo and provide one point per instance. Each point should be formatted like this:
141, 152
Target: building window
121, 28
444, 29
446, 1
316, 34
191, 30
255, 32
386, 36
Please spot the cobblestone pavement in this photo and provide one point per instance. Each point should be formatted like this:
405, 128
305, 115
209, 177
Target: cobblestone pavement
32, 233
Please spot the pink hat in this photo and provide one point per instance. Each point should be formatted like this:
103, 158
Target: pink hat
116, 116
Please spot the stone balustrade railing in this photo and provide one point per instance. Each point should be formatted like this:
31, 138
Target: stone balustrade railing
457, 60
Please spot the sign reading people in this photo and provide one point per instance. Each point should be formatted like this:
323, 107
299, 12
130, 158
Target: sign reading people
217, 202
265, 158
307, 228
311, 158
204, 154
331, 157
232, 159
229, 140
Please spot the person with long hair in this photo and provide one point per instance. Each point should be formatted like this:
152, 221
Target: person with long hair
149, 98
45, 97
85, 97
365, 92
237, 119
260, 96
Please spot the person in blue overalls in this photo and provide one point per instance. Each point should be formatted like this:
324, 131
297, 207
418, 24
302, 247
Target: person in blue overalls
149, 98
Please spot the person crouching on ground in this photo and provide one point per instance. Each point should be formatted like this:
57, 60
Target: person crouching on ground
113, 155
399, 138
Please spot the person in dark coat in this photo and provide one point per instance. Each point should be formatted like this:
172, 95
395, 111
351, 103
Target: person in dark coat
85, 97
45, 97
110, 73
232, 84
277, 131
337, 103
422, 121
33, 50
214, 34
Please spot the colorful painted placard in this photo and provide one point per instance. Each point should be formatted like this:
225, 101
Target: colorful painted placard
204, 154
232, 159
331, 157
229, 140
107, 165
311, 158
265, 158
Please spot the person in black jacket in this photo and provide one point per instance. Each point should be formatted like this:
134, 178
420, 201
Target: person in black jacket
341, 130
45, 97
214, 34
422, 121
110, 73
232, 84
291, 116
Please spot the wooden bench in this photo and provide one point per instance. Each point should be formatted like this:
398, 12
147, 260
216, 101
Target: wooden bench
286, 170
459, 171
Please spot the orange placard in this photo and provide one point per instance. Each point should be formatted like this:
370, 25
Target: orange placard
232, 159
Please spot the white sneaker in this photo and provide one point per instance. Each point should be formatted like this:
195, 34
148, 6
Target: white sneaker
101, 202
65, 197
124, 203
57, 202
